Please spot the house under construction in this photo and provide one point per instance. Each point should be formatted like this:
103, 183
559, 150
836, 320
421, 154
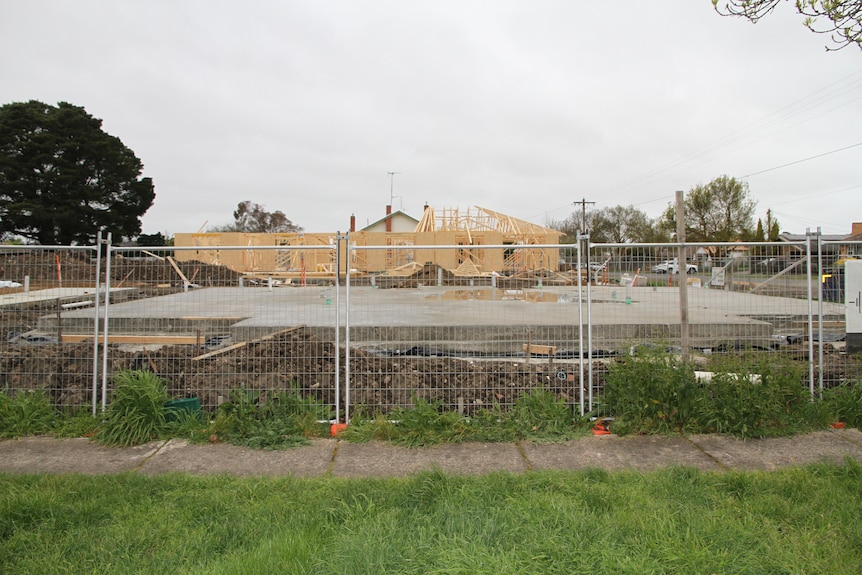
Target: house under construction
461, 232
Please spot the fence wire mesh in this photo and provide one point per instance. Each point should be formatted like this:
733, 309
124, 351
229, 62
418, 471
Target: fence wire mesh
39, 286
487, 327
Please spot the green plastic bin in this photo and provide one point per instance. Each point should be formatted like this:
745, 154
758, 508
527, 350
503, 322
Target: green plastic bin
190, 405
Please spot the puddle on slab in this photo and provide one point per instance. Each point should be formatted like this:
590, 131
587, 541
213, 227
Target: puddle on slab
493, 294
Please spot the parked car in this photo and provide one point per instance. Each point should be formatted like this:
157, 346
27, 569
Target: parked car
671, 267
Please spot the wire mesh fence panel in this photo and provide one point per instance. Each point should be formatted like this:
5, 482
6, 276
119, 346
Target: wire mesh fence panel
465, 326
838, 337
475, 335
211, 323
39, 287
722, 306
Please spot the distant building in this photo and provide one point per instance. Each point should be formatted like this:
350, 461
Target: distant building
309, 254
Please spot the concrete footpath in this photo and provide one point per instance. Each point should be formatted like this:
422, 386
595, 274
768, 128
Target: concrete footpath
337, 458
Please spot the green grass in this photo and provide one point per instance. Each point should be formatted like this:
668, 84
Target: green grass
678, 520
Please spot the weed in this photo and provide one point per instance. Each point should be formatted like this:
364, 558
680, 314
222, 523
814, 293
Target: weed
536, 416
541, 415
191, 425
746, 397
844, 403
652, 394
76, 423
25, 413
137, 410
282, 420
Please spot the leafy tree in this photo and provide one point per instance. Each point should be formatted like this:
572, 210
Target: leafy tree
841, 19
62, 179
719, 211
153, 240
759, 235
621, 224
772, 230
251, 217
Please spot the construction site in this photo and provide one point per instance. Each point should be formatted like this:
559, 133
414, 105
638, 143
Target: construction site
431, 314
310, 257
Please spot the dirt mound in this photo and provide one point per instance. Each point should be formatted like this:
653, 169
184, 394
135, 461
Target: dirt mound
291, 360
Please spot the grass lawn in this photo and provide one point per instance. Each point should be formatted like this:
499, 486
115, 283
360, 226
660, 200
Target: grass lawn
679, 520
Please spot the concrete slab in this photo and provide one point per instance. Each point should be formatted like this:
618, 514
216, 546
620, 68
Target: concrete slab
64, 295
59, 456
377, 459
774, 453
181, 456
425, 315
614, 453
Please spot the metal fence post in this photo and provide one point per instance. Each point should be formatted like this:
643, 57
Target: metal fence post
580, 330
820, 313
105, 329
810, 314
589, 322
337, 329
97, 303
347, 335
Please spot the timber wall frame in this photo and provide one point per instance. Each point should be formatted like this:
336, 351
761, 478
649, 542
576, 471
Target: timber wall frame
468, 229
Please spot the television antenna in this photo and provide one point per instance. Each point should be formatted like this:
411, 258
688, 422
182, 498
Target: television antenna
392, 190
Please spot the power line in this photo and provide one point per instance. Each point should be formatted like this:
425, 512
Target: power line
802, 160
800, 106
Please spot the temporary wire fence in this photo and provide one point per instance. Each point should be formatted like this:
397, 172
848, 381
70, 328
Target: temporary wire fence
492, 324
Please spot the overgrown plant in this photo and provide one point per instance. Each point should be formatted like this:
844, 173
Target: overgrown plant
844, 403
745, 397
278, 421
137, 410
25, 413
652, 394
758, 400
537, 416
540, 415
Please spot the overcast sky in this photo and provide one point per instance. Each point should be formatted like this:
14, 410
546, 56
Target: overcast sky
521, 107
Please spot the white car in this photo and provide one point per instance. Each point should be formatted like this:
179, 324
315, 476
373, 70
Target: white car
670, 266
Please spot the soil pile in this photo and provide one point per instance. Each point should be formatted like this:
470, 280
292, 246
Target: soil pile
292, 360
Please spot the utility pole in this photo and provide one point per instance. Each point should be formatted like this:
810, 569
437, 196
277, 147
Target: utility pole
584, 203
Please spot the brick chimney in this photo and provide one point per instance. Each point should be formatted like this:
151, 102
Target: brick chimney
856, 228
352, 222
388, 219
